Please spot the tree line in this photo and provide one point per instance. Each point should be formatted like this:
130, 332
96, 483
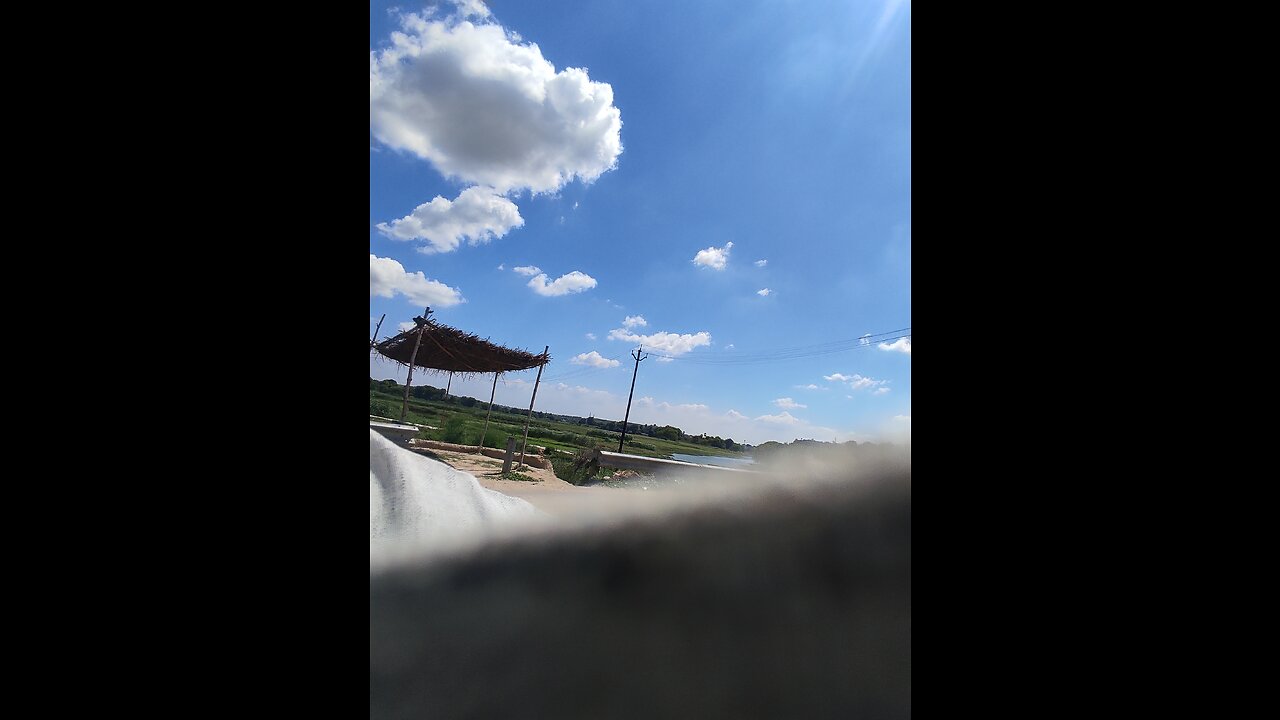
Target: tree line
667, 432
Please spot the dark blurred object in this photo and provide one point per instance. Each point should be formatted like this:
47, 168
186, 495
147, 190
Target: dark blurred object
796, 604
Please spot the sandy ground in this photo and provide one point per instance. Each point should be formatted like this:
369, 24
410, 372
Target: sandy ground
547, 492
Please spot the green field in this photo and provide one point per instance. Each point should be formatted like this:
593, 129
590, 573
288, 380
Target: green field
458, 423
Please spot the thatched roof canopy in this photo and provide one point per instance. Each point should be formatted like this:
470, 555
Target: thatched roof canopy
446, 348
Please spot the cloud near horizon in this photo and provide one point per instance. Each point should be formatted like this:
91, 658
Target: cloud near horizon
691, 417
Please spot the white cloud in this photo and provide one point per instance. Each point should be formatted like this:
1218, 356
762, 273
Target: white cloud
764, 292
591, 336
388, 277
735, 415
880, 391
664, 359
503, 266
633, 321
761, 263
906, 418
713, 257
477, 216
670, 343
856, 381
902, 345
810, 386
729, 346
483, 107
787, 403
863, 340
407, 325
526, 270
594, 359
467, 8
782, 418
574, 282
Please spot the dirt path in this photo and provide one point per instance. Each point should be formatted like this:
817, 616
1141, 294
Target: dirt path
546, 492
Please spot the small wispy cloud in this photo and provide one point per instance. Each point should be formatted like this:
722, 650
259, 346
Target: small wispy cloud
856, 381
787, 403
761, 263
880, 391
764, 292
865, 339
503, 266
634, 321
527, 270
591, 336
594, 359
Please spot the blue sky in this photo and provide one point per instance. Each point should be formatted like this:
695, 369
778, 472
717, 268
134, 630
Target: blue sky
612, 151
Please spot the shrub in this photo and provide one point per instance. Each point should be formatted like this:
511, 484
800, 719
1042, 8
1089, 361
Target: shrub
494, 438
454, 430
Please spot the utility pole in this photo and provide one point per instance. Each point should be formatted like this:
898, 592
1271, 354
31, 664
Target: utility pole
635, 354
422, 326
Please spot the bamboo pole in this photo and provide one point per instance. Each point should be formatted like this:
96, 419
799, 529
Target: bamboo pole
422, 326
487, 414
376, 329
535, 396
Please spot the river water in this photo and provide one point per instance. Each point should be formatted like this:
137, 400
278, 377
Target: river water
713, 460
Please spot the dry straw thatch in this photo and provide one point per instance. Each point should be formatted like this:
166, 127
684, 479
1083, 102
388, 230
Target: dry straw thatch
451, 349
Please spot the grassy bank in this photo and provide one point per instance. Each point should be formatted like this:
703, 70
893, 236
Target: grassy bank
457, 422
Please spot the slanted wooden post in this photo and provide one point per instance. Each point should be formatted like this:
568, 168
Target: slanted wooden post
446, 387
422, 326
535, 396
376, 329
487, 414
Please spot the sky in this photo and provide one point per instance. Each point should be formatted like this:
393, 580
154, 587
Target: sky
727, 184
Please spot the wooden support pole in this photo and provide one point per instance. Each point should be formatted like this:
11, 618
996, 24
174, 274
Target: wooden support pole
635, 354
535, 396
511, 450
487, 414
422, 327
446, 387
376, 329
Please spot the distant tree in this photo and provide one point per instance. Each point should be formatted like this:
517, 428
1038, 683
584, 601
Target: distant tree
668, 432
